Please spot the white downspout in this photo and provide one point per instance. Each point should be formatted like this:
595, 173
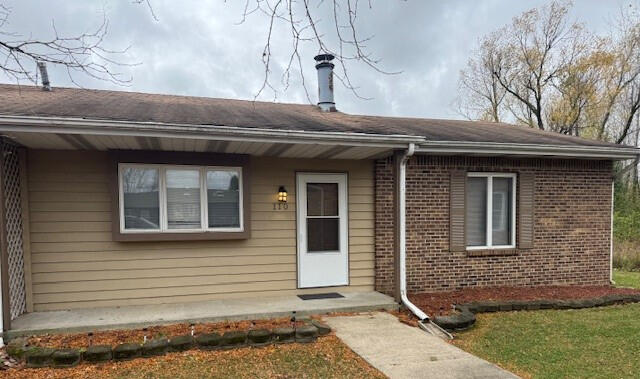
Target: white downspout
1, 314
424, 322
402, 183
613, 195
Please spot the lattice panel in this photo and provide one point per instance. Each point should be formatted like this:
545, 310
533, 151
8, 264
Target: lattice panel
13, 222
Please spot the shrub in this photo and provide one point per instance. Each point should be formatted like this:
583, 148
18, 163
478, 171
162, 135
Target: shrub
626, 228
626, 219
626, 255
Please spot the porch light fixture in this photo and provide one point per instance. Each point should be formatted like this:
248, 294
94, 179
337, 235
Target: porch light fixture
282, 194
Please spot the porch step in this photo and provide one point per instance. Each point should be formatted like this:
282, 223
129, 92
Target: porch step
139, 316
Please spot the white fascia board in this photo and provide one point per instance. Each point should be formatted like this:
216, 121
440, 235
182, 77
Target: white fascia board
516, 149
35, 124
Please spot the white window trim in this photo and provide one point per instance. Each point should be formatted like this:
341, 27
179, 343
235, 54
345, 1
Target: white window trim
489, 204
162, 194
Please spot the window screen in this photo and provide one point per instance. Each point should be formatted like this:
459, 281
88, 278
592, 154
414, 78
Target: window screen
141, 199
489, 210
476, 212
223, 198
183, 199
501, 212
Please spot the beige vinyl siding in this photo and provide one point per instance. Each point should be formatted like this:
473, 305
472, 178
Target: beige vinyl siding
75, 262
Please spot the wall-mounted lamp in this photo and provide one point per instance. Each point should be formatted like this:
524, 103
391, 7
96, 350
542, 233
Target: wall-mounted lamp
282, 194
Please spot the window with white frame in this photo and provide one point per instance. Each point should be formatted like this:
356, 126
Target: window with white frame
169, 198
490, 210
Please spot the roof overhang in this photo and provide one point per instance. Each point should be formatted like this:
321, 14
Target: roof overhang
79, 133
148, 129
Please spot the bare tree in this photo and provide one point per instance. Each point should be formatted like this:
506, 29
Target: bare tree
557, 76
521, 67
84, 53
620, 74
480, 94
538, 46
339, 36
627, 74
568, 110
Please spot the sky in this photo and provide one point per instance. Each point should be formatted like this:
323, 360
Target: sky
201, 48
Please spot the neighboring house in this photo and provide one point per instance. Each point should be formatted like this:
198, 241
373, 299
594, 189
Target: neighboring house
120, 198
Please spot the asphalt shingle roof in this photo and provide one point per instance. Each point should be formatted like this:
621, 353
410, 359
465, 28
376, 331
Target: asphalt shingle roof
143, 107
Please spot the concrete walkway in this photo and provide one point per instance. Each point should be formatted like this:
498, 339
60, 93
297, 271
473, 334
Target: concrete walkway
401, 351
138, 316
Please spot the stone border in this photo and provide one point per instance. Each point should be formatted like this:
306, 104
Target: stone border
37, 357
466, 316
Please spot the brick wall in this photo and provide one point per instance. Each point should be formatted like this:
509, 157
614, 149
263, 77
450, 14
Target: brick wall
571, 237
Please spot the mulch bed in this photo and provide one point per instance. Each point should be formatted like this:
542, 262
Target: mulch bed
441, 303
213, 364
114, 337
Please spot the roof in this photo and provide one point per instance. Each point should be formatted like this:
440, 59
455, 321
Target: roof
187, 110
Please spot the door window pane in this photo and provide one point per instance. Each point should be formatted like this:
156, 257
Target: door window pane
476, 220
183, 199
223, 199
322, 199
141, 199
501, 212
323, 234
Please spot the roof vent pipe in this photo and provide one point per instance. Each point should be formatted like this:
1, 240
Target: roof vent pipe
325, 82
46, 86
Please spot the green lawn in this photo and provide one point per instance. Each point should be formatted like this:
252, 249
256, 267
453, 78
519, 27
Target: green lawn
594, 343
626, 278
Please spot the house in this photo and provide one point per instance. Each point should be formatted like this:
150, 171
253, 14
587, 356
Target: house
120, 198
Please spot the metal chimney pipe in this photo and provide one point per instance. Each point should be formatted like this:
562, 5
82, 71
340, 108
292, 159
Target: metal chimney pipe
46, 86
325, 82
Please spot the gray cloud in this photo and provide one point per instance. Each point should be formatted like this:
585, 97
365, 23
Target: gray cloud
198, 48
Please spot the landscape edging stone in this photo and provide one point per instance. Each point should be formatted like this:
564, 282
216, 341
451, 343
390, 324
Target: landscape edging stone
181, 343
155, 347
63, 358
37, 357
209, 341
97, 353
465, 318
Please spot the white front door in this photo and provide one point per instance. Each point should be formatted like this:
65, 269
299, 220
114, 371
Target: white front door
323, 242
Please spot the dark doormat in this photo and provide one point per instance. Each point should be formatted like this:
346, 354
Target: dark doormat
317, 296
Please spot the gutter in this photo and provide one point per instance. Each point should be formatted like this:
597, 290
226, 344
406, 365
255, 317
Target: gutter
70, 125
522, 149
36, 124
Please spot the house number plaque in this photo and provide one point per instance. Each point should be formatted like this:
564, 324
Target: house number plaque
280, 206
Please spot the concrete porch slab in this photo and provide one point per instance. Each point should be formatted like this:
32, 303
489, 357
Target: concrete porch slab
139, 316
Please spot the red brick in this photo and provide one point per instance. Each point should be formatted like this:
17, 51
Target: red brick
572, 226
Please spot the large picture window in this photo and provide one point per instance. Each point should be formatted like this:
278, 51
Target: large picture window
168, 198
490, 210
